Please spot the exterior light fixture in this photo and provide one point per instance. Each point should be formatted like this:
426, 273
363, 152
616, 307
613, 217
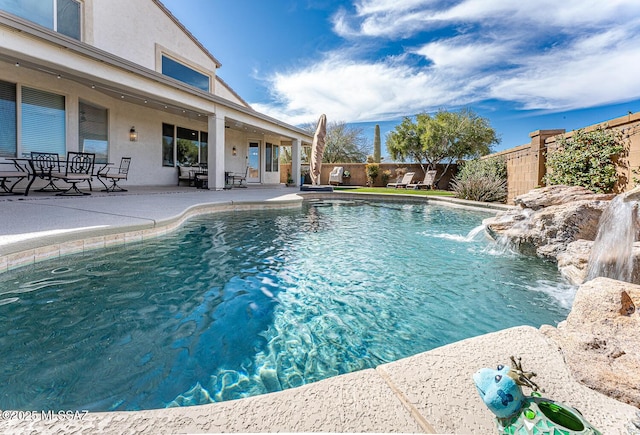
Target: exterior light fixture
133, 135
234, 151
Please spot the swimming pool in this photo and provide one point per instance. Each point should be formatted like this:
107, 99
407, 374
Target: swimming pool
237, 304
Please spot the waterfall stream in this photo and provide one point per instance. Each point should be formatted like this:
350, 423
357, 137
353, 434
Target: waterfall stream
611, 255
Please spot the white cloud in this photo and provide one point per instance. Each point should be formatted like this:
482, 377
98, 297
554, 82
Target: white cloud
540, 55
598, 70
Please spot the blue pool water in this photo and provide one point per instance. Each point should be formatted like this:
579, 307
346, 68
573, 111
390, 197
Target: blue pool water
238, 304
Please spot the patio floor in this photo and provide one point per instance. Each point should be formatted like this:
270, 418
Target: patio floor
432, 392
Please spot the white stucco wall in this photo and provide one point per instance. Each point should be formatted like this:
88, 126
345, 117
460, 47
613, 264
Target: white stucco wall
137, 30
146, 153
222, 90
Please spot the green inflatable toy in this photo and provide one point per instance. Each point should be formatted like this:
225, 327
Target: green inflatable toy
501, 391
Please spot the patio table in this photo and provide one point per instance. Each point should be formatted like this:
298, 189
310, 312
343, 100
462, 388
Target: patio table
29, 167
18, 172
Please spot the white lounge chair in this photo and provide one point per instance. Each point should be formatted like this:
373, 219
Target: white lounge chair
408, 178
335, 176
428, 181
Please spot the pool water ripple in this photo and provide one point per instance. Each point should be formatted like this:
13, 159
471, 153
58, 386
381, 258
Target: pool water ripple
238, 304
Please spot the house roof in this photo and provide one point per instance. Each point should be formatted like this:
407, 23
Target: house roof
187, 32
80, 48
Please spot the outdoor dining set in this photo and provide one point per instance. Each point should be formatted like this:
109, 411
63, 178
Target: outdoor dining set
77, 168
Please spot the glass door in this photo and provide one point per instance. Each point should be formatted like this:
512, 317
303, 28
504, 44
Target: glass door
253, 175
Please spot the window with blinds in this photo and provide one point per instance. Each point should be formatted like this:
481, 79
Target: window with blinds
43, 122
94, 131
8, 123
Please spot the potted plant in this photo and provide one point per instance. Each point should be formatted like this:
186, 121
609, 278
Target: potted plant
346, 175
289, 179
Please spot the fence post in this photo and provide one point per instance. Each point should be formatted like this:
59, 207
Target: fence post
539, 151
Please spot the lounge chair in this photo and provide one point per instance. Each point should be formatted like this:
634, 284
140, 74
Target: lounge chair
335, 176
115, 177
429, 178
408, 178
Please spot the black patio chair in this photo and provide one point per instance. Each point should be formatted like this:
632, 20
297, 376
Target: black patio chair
78, 169
43, 165
240, 178
115, 177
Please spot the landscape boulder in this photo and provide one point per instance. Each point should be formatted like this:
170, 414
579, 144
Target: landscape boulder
548, 219
600, 340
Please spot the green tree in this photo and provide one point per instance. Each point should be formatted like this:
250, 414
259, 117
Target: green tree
586, 159
445, 136
286, 157
343, 143
377, 152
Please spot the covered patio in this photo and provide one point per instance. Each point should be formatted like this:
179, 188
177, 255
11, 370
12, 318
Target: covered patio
174, 123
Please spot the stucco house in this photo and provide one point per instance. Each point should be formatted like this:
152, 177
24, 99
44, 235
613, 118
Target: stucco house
91, 75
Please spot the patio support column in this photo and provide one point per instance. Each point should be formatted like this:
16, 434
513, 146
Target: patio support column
295, 160
216, 150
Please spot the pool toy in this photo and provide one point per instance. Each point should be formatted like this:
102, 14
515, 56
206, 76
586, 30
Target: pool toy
516, 413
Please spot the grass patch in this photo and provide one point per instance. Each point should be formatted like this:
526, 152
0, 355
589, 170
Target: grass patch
396, 191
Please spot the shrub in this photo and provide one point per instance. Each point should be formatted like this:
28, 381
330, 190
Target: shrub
386, 174
482, 180
372, 170
586, 159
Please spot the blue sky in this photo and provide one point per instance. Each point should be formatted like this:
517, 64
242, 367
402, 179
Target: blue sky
525, 65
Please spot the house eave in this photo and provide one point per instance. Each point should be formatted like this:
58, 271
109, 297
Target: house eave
97, 55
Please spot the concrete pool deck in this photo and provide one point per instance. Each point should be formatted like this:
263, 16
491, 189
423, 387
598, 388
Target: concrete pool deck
431, 392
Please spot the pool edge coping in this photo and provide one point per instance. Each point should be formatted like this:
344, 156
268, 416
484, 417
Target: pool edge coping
14, 255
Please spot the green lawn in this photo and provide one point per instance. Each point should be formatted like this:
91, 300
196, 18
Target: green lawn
395, 191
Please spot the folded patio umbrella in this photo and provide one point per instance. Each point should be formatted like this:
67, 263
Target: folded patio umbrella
317, 149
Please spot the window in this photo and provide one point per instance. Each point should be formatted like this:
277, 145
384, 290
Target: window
204, 147
184, 73
188, 146
183, 146
8, 123
272, 163
43, 122
168, 141
60, 15
68, 18
93, 131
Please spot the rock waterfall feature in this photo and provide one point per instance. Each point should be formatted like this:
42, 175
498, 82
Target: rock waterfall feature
548, 221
